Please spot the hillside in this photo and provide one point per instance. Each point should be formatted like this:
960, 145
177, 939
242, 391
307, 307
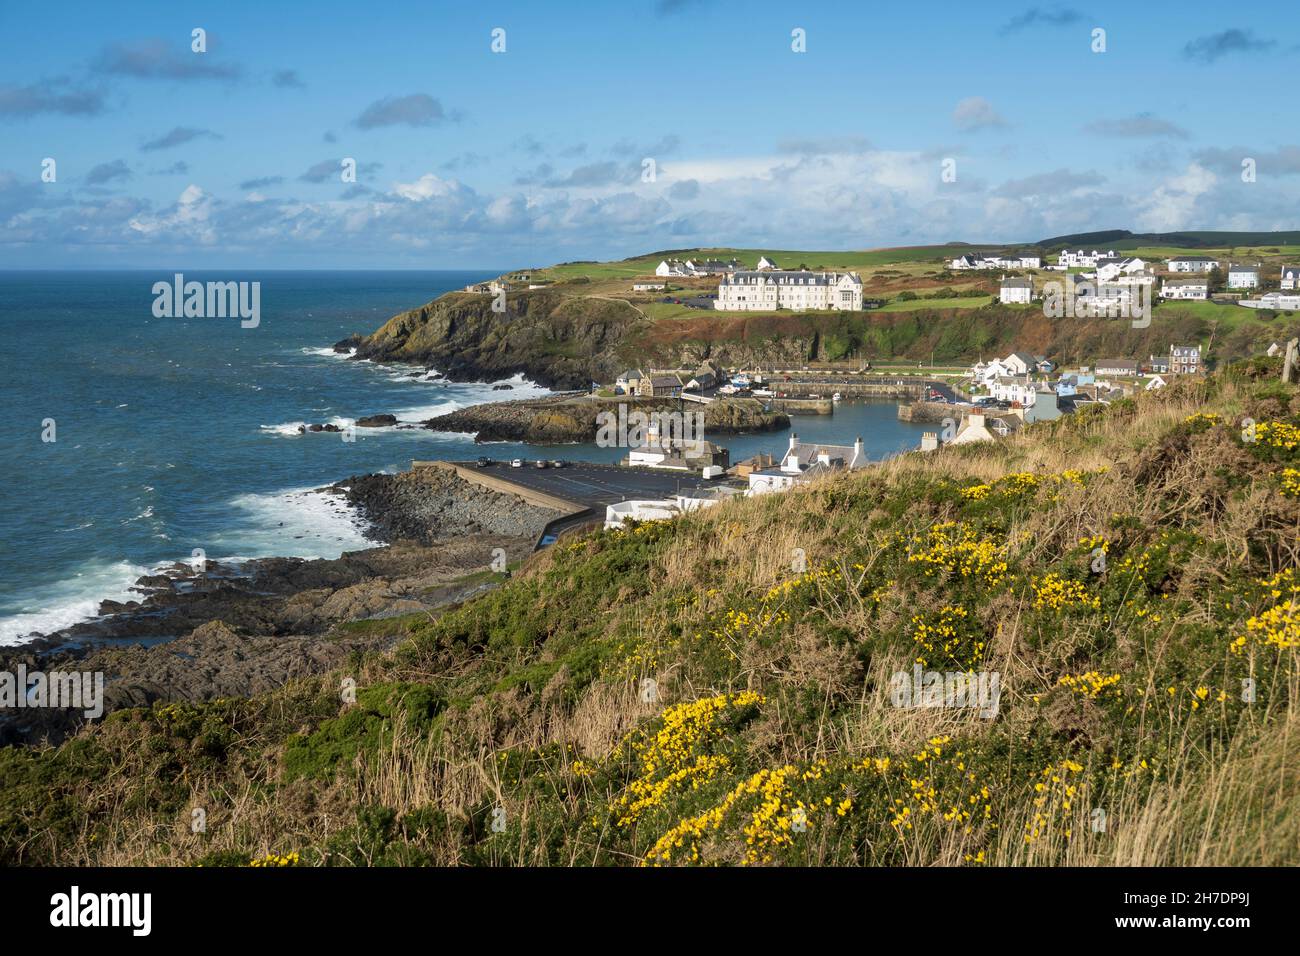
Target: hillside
722, 688
579, 331
1190, 241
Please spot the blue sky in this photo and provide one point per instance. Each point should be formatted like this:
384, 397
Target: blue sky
469, 158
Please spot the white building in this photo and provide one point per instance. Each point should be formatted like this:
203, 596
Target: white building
770, 290
1117, 367
1243, 277
1185, 289
1111, 269
1082, 259
806, 461
973, 429
1192, 264
1020, 363
671, 267
648, 285
1273, 300
1291, 277
1155, 382
764, 264
980, 260
1019, 291
1016, 390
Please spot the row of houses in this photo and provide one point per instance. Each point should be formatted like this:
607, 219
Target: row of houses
667, 384
980, 260
697, 267
802, 462
1020, 377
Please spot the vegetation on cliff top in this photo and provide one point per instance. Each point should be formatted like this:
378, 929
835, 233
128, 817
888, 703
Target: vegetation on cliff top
584, 323
1147, 711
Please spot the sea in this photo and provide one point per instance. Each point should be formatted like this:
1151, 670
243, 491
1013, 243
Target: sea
132, 441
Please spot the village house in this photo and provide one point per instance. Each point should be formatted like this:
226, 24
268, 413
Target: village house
770, 290
1043, 406
765, 264
974, 428
1158, 364
1117, 368
805, 462
649, 285
1185, 359
661, 385
671, 267
1020, 291
1185, 289
1020, 363
1155, 382
1192, 264
1112, 268
1290, 277
1016, 390
1243, 277
630, 380
703, 380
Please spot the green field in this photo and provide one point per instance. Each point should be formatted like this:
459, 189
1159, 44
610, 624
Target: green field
785, 258
912, 305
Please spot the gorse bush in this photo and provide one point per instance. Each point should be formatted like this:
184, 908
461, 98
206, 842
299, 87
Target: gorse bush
724, 688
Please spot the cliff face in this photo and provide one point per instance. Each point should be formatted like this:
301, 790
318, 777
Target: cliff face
567, 340
557, 340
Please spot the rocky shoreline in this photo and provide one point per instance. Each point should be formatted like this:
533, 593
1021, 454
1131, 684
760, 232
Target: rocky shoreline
572, 417
235, 630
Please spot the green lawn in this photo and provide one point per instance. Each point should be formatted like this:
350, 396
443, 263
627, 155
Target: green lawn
912, 305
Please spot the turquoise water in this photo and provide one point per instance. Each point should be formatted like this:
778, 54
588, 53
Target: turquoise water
177, 434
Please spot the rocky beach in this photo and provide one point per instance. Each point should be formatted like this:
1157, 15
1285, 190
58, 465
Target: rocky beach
237, 629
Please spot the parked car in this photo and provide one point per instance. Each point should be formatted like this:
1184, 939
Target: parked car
483, 462
517, 463
557, 463
540, 463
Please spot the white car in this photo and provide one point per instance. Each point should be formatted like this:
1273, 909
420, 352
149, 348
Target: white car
517, 463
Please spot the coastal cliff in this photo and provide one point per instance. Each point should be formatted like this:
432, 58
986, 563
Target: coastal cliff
557, 340
566, 336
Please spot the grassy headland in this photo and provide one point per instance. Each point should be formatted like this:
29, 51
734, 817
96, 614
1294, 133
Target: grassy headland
1147, 712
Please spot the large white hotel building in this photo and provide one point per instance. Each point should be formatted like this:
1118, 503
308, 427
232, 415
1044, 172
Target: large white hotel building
767, 290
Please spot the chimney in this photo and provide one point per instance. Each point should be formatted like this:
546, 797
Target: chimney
976, 419
929, 441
